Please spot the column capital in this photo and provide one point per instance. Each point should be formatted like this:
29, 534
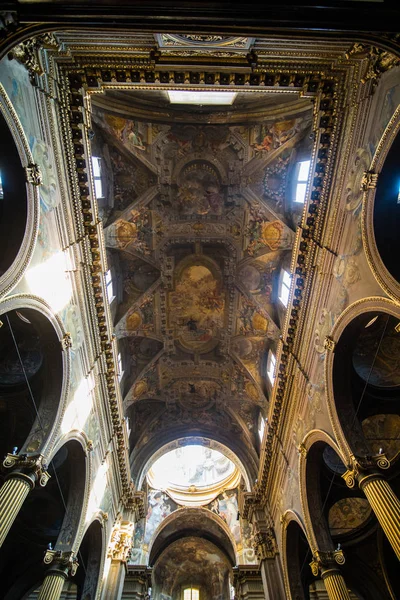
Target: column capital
363, 468
264, 544
326, 561
121, 541
31, 468
64, 563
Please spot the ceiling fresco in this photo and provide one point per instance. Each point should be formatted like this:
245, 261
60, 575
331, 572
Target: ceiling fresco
198, 221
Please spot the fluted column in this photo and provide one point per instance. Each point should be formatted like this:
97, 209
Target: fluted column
26, 471
62, 566
327, 563
380, 495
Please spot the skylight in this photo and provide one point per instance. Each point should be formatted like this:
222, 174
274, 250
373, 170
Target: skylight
202, 98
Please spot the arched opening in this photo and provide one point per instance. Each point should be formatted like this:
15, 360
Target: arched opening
366, 384
31, 375
13, 198
48, 518
192, 568
89, 558
387, 210
298, 557
342, 519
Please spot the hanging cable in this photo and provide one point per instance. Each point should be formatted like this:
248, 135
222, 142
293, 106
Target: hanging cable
352, 424
42, 428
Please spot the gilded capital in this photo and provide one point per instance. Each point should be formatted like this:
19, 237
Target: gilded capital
326, 560
24, 465
264, 544
121, 541
63, 561
363, 467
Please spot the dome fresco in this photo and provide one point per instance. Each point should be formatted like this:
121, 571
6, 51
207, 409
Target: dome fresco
191, 466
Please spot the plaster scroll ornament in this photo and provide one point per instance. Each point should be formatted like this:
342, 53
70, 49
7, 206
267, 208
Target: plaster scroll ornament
323, 330
361, 163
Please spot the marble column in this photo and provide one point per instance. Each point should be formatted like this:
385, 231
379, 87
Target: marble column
62, 565
25, 472
327, 564
380, 495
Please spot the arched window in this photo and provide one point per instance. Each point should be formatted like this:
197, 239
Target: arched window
191, 593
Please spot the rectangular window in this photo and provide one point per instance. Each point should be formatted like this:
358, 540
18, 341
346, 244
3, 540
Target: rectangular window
109, 286
302, 178
98, 187
261, 427
120, 370
271, 367
285, 288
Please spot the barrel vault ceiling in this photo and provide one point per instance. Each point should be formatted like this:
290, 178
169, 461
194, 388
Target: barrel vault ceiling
199, 219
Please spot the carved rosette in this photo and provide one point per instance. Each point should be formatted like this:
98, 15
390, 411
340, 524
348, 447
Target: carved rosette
28, 465
64, 561
264, 544
323, 561
121, 541
362, 467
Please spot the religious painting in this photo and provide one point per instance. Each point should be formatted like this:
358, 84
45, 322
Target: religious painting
382, 433
270, 136
129, 178
160, 505
226, 506
199, 191
197, 307
261, 233
134, 230
250, 321
348, 514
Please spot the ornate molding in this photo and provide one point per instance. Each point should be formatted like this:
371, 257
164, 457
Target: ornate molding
64, 561
369, 181
326, 560
329, 344
379, 60
34, 174
28, 53
29, 466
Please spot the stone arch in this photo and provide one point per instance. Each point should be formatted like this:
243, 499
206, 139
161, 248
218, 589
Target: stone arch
92, 555
142, 457
39, 440
317, 531
292, 525
190, 521
77, 505
358, 310
19, 264
381, 273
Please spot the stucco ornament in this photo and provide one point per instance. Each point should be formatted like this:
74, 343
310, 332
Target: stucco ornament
361, 163
323, 330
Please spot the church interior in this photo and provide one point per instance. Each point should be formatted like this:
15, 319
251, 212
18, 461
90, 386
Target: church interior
199, 302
